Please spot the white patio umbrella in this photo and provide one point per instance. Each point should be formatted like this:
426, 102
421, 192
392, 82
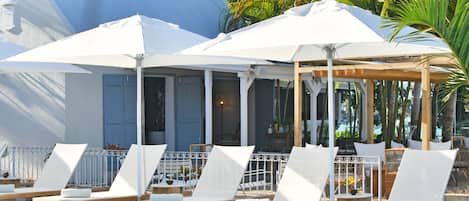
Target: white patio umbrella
317, 31
134, 42
8, 49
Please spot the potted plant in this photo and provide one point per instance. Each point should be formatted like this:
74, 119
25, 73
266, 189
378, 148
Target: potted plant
170, 179
276, 126
5, 175
350, 182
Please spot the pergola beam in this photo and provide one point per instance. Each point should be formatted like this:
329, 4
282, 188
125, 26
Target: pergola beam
380, 66
382, 75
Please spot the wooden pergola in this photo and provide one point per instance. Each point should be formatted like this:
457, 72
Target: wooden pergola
399, 68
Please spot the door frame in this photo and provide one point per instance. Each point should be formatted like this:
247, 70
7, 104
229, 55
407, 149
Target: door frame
170, 118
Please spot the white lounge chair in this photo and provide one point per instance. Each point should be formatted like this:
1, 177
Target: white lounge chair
440, 146
3, 149
222, 174
307, 145
423, 175
414, 144
435, 146
396, 145
370, 149
125, 184
55, 173
305, 175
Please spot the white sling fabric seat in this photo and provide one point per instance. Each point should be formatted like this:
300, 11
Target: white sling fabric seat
55, 174
439, 146
305, 175
369, 151
423, 175
414, 144
222, 174
125, 184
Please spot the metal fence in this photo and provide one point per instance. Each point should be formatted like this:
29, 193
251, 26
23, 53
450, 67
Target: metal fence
98, 168
358, 173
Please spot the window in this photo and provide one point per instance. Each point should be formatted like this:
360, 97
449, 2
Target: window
7, 14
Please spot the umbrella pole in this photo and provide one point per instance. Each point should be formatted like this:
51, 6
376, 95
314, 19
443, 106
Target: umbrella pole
139, 59
331, 119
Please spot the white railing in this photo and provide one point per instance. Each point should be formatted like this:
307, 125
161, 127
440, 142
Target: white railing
360, 173
98, 168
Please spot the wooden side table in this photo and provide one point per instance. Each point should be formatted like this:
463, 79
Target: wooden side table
376, 179
167, 189
392, 160
357, 197
15, 181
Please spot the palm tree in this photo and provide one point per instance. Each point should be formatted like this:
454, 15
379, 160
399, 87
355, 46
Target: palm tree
448, 20
246, 12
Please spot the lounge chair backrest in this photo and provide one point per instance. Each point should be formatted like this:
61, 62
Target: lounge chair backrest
60, 165
413, 144
223, 172
305, 175
312, 146
126, 182
3, 149
439, 146
435, 146
396, 145
423, 175
373, 150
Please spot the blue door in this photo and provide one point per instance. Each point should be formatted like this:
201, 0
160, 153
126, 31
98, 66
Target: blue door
189, 107
119, 110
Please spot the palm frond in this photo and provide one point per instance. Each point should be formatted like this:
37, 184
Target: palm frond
440, 18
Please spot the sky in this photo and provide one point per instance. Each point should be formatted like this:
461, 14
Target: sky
200, 16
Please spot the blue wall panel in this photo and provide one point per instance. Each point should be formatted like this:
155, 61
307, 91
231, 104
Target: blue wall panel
189, 110
119, 110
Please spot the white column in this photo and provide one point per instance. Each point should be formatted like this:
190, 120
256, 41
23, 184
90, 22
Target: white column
170, 117
314, 88
208, 78
245, 81
364, 111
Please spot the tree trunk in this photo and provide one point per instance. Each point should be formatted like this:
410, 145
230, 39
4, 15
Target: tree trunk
405, 102
350, 109
435, 110
393, 108
384, 131
449, 115
415, 109
323, 119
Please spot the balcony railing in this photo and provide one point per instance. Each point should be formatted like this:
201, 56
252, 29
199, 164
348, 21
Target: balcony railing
98, 168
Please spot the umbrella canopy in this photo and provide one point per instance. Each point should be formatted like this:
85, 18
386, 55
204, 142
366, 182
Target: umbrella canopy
133, 42
124, 43
301, 33
317, 31
116, 43
8, 49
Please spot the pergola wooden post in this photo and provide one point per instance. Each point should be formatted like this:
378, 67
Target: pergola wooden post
426, 106
369, 116
403, 68
297, 87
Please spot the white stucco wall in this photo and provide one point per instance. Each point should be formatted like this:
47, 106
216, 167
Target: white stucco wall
37, 22
32, 109
42, 109
84, 105
32, 106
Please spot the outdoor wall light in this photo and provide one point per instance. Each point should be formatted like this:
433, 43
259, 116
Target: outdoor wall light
7, 14
221, 103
